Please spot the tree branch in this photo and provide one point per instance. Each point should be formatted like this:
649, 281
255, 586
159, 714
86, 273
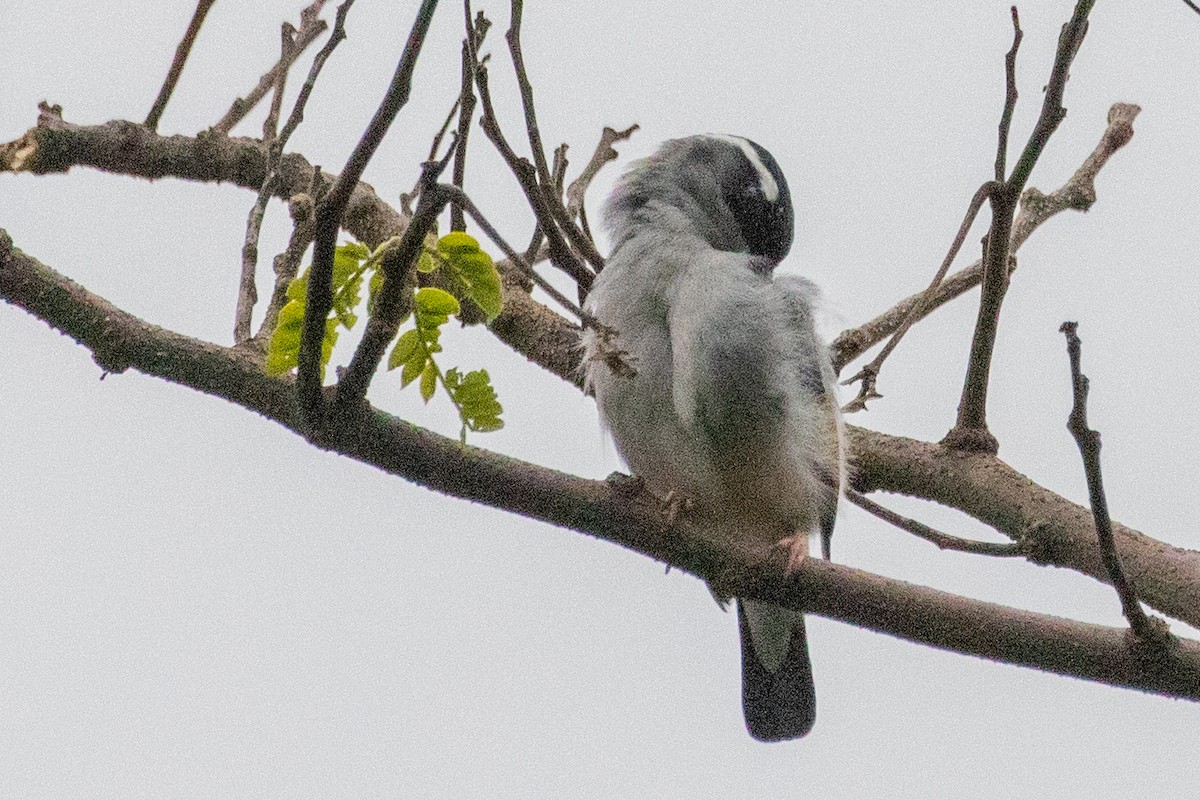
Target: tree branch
868, 374
970, 430
609, 510
604, 153
329, 219
1053, 530
944, 541
247, 289
1088, 442
394, 299
1078, 193
311, 26
561, 255
1060, 533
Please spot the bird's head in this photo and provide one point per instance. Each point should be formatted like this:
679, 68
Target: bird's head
727, 189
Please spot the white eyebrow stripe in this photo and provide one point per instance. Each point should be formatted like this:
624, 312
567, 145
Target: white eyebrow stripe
765, 179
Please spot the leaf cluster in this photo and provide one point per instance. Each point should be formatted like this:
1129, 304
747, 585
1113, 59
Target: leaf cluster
469, 275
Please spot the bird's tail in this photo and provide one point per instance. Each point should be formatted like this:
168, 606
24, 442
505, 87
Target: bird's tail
778, 696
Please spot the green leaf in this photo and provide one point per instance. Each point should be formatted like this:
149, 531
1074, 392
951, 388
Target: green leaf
428, 381
298, 288
434, 302
473, 270
408, 344
475, 397
413, 367
283, 349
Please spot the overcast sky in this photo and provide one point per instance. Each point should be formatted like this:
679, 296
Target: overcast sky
196, 603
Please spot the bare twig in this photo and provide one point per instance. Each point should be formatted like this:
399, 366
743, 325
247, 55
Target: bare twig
247, 291
329, 216
311, 26
336, 36
970, 429
558, 170
287, 263
274, 145
561, 255
181, 55
869, 373
1010, 97
513, 37
466, 105
944, 541
1192, 6
476, 33
545, 178
1088, 441
604, 153
1077, 193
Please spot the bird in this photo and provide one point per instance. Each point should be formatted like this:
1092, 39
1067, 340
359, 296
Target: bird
710, 377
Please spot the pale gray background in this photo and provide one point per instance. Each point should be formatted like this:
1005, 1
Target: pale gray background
195, 603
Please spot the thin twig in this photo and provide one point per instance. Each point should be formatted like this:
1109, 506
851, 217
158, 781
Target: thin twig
476, 33
944, 541
558, 170
970, 430
335, 38
1192, 6
868, 374
393, 301
545, 178
1088, 441
561, 255
181, 55
311, 27
513, 37
247, 291
287, 263
535, 179
460, 197
1010, 97
604, 153
274, 145
1077, 193
329, 216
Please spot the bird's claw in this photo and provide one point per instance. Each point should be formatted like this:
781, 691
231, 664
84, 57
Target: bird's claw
673, 505
796, 547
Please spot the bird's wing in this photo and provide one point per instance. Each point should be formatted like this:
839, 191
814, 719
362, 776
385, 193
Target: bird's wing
725, 361
816, 375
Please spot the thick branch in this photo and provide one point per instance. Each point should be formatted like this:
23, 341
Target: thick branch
1168, 578
610, 510
1054, 531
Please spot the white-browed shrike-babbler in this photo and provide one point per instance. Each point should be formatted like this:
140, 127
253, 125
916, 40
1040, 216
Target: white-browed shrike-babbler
729, 400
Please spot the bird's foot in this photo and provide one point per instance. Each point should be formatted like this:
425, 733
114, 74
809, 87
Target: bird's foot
796, 547
675, 504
